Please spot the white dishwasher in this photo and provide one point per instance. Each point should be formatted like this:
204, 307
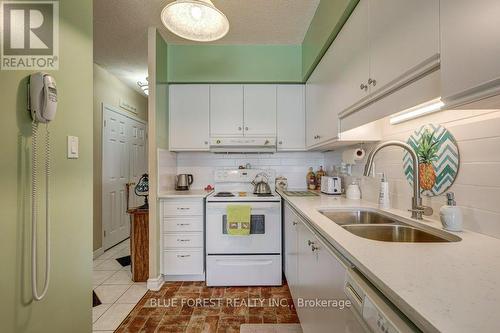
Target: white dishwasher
375, 312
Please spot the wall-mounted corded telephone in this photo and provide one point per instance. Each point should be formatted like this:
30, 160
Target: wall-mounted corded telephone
42, 105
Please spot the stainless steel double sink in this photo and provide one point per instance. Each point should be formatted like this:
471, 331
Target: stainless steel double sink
377, 225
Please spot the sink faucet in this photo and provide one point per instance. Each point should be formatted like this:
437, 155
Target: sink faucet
417, 209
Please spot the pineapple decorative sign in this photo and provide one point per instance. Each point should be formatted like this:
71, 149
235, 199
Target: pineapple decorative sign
438, 159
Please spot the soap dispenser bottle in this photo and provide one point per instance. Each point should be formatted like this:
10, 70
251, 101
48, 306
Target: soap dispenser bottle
383, 197
450, 214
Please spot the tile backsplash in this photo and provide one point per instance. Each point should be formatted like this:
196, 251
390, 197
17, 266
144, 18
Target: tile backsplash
477, 187
292, 165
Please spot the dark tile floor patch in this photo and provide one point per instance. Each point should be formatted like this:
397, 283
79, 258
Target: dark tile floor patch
171, 309
95, 299
124, 261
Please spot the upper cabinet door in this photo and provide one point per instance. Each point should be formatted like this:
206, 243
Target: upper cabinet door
470, 50
188, 112
260, 109
226, 110
404, 40
291, 117
340, 79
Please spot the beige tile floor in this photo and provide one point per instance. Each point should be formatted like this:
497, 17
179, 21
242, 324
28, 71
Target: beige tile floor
115, 288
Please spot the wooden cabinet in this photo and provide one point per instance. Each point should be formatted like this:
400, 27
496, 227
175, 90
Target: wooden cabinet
259, 109
290, 117
182, 254
226, 110
188, 114
315, 272
139, 244
470, 50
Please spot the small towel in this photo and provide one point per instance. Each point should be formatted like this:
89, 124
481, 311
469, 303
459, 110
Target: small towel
238, 220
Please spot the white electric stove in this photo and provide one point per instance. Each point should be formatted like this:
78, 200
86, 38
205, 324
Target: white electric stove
243, 260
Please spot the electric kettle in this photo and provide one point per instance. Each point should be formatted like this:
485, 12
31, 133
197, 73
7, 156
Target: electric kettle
183, 181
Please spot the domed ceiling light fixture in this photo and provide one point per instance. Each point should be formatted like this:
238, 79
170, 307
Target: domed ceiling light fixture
197, 20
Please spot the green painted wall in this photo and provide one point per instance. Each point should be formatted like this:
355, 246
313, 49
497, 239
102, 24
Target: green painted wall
329, 18
67, 307
161, 92
234, 63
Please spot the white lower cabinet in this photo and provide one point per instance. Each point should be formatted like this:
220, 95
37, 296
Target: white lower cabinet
182, 238
315, 273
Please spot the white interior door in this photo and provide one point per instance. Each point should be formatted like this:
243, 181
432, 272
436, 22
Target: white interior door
138, 158
124, 160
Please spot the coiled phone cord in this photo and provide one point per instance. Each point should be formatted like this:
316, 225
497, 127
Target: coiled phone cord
34, 212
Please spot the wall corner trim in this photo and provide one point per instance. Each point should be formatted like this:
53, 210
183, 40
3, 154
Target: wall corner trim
155, 283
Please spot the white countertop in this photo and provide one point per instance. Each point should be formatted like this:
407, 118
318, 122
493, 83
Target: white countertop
445, 287
183, 194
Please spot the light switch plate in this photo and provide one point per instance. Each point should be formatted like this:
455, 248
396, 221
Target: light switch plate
72, 147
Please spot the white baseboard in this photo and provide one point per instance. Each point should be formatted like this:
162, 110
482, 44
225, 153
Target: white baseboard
155, 283
200, 277
98, 252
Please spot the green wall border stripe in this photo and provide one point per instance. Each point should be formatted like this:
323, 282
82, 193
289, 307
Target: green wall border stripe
335, 31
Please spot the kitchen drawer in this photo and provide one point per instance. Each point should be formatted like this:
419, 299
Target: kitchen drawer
183, 240
171, 224
253, 270
183, 208
183, 262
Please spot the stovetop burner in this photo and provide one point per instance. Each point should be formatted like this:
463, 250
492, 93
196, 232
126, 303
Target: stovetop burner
224, 194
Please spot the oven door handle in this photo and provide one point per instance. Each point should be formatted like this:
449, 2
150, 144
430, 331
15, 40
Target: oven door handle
254, 262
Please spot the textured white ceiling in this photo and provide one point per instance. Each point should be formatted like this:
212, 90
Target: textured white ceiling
120, 29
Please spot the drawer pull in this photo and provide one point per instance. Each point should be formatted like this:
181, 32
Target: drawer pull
183, 208
183, 255
183, 240
183, 224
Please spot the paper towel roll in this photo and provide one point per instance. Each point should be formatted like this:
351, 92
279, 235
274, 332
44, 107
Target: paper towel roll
351, 156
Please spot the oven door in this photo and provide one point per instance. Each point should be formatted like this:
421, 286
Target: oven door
265, 229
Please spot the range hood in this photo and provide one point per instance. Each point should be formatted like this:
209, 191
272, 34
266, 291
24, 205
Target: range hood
243, 145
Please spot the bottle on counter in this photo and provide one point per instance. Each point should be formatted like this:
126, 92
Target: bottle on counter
311, 179
384, 201
450, 214
320, 173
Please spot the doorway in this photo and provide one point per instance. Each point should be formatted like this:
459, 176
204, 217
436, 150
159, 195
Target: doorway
124, 161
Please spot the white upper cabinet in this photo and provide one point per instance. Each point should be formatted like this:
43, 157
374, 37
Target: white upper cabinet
404, 41
339, 80
291, 117
188, 113
259, 109
470, 50
226, 110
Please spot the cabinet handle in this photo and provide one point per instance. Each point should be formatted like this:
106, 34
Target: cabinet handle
246, 128
206, 142
182, 208
183, 255
295, 223
363, 86
183, 224
239, 128
183, 240
309, 242
372, 82
280, 142
314, 248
